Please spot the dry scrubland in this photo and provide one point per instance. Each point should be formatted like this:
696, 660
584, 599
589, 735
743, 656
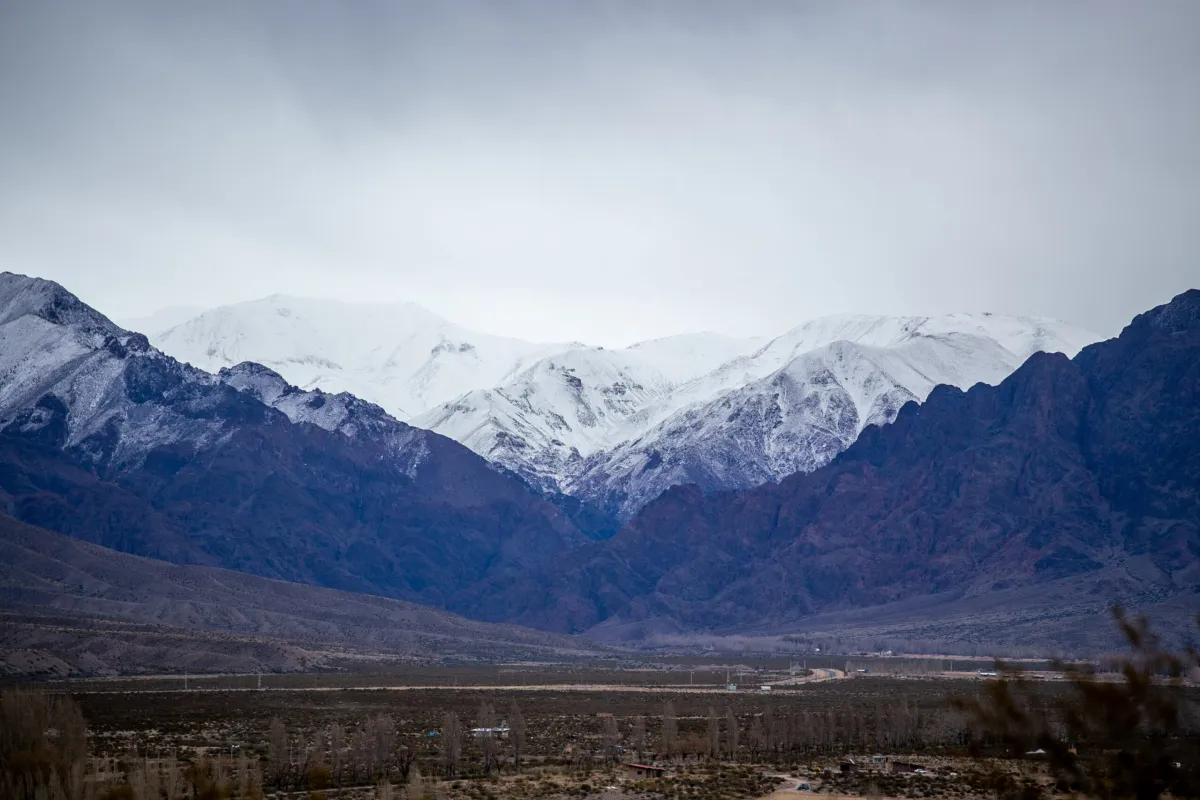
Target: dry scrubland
571, 729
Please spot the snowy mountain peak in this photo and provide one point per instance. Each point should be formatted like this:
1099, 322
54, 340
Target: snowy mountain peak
21, 295
612, 425
804, 397
687, 356
402, 356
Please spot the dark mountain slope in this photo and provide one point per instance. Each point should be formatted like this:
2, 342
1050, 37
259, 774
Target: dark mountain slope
69, 606
104, 438
1065, 469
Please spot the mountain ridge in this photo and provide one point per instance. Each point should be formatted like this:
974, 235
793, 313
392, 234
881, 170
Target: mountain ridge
143, 615
105, 438
613, 426
1063, 469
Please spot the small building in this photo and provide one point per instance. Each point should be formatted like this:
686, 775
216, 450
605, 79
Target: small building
500, 732
644, 771
848, 767
764, 688
903, 767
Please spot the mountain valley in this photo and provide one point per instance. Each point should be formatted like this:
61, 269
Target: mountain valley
882, 497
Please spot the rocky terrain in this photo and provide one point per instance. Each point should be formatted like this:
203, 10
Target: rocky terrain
104, 438
1068, 468
617, 427
71, 607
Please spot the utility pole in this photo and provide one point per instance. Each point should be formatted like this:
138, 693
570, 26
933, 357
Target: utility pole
260, 680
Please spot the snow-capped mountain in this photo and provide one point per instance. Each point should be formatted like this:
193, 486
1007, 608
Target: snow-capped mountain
400, 356
547, 418
619, 426
122, 398
160, 320
105, 438
687, 356
804, 397
538, 409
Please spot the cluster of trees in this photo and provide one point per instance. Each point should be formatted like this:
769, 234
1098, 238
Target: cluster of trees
490, 735
43, 746
787, 735
1133, 731
336, 756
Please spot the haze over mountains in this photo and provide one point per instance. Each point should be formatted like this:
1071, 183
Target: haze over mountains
616, 427
1014, 510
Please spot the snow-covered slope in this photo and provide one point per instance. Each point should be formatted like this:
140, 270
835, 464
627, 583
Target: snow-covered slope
617, 436
401, 356
547, 418
618, 426
687, 356
793, 420
160, 320
112, 384
106, 438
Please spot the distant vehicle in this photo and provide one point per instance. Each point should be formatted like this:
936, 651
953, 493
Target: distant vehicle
764, 688
804, 787
987, 674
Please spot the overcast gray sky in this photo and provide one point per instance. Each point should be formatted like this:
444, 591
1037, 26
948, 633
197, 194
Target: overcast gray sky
607, 171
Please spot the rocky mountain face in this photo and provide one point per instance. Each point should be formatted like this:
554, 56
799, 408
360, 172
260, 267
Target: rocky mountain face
794, 419
1067, 468
617, 427
612, 433
70, 607
106, 439
542, 422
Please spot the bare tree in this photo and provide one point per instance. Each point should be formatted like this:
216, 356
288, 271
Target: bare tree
486, 728
612, 739
406, 761
277, 749
714, 733
337, 755
639, 735
731, 733
42, 738
516, 725
670, 730
756, 741
451, 742
360, 752
1105, 739
384, 742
